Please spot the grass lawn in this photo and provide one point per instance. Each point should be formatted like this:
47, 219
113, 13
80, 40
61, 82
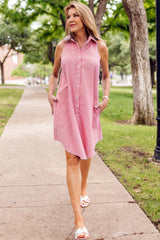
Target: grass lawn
127, 150
8, 101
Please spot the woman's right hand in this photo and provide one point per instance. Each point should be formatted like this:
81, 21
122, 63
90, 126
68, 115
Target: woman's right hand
53, 81
52, 99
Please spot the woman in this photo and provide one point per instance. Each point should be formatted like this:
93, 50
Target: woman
76, 107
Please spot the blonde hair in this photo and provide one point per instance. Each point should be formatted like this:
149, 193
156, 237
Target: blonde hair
86, 17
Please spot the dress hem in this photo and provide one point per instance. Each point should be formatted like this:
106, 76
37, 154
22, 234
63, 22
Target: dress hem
81, 158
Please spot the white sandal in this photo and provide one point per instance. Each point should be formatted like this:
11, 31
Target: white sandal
84, 201
82, 234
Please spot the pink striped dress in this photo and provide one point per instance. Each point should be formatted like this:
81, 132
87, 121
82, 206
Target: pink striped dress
76, 120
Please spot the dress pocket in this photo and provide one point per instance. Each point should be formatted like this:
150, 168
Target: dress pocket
62, 94
61, 115
96, 120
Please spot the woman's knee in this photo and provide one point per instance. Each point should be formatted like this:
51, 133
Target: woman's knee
72, 160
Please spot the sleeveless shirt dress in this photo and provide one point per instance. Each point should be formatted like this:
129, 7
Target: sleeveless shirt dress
76, 120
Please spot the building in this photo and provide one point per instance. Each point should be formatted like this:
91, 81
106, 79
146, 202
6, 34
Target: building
10, 63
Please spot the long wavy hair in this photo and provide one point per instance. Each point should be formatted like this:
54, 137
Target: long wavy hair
86, 17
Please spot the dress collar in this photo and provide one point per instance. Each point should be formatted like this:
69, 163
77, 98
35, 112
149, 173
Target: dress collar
71, 38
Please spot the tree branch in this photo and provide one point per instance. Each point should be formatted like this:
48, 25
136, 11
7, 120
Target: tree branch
100, 13
62, 20
6, 55
48, 13
109, 26
91, 6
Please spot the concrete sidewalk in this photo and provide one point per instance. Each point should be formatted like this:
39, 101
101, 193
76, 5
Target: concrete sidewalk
34, 200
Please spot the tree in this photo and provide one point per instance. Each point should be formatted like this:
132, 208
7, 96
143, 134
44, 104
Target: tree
49, 18
150, 7
101, 9
14, 37
119, 54
117, 20
142, 92
152, 56
41, 70
20, 71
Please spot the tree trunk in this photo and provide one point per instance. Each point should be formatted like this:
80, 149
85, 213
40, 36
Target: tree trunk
2, 72
91, 6
63, 21
101, 9
143, 110
51, 50
153, 69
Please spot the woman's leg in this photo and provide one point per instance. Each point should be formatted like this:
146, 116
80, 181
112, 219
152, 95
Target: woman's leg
74, 186
84, 166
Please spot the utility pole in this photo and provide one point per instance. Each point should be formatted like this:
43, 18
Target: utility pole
156, 156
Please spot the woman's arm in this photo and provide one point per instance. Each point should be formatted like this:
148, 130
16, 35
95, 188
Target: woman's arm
103, 51
54, 77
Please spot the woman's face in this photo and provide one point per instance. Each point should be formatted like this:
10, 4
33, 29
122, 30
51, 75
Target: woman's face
74, 21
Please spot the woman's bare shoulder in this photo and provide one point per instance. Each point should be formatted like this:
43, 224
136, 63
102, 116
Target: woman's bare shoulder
101, 45
60, 46
102, 48
59, 49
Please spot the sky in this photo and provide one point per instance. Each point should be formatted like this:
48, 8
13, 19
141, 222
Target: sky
12, 3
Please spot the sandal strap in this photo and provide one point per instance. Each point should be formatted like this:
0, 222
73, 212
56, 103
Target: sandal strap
85, 198
81, 231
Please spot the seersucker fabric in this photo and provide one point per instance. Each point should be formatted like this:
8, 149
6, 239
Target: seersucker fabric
76, 120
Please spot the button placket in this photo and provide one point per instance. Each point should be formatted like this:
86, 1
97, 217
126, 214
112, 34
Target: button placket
77, 84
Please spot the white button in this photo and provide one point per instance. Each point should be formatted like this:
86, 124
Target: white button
79, 56
79, 65
77, 96
77, 85
77, 105
77, 115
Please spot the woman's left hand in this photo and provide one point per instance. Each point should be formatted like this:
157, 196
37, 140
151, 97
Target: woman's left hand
102, 105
